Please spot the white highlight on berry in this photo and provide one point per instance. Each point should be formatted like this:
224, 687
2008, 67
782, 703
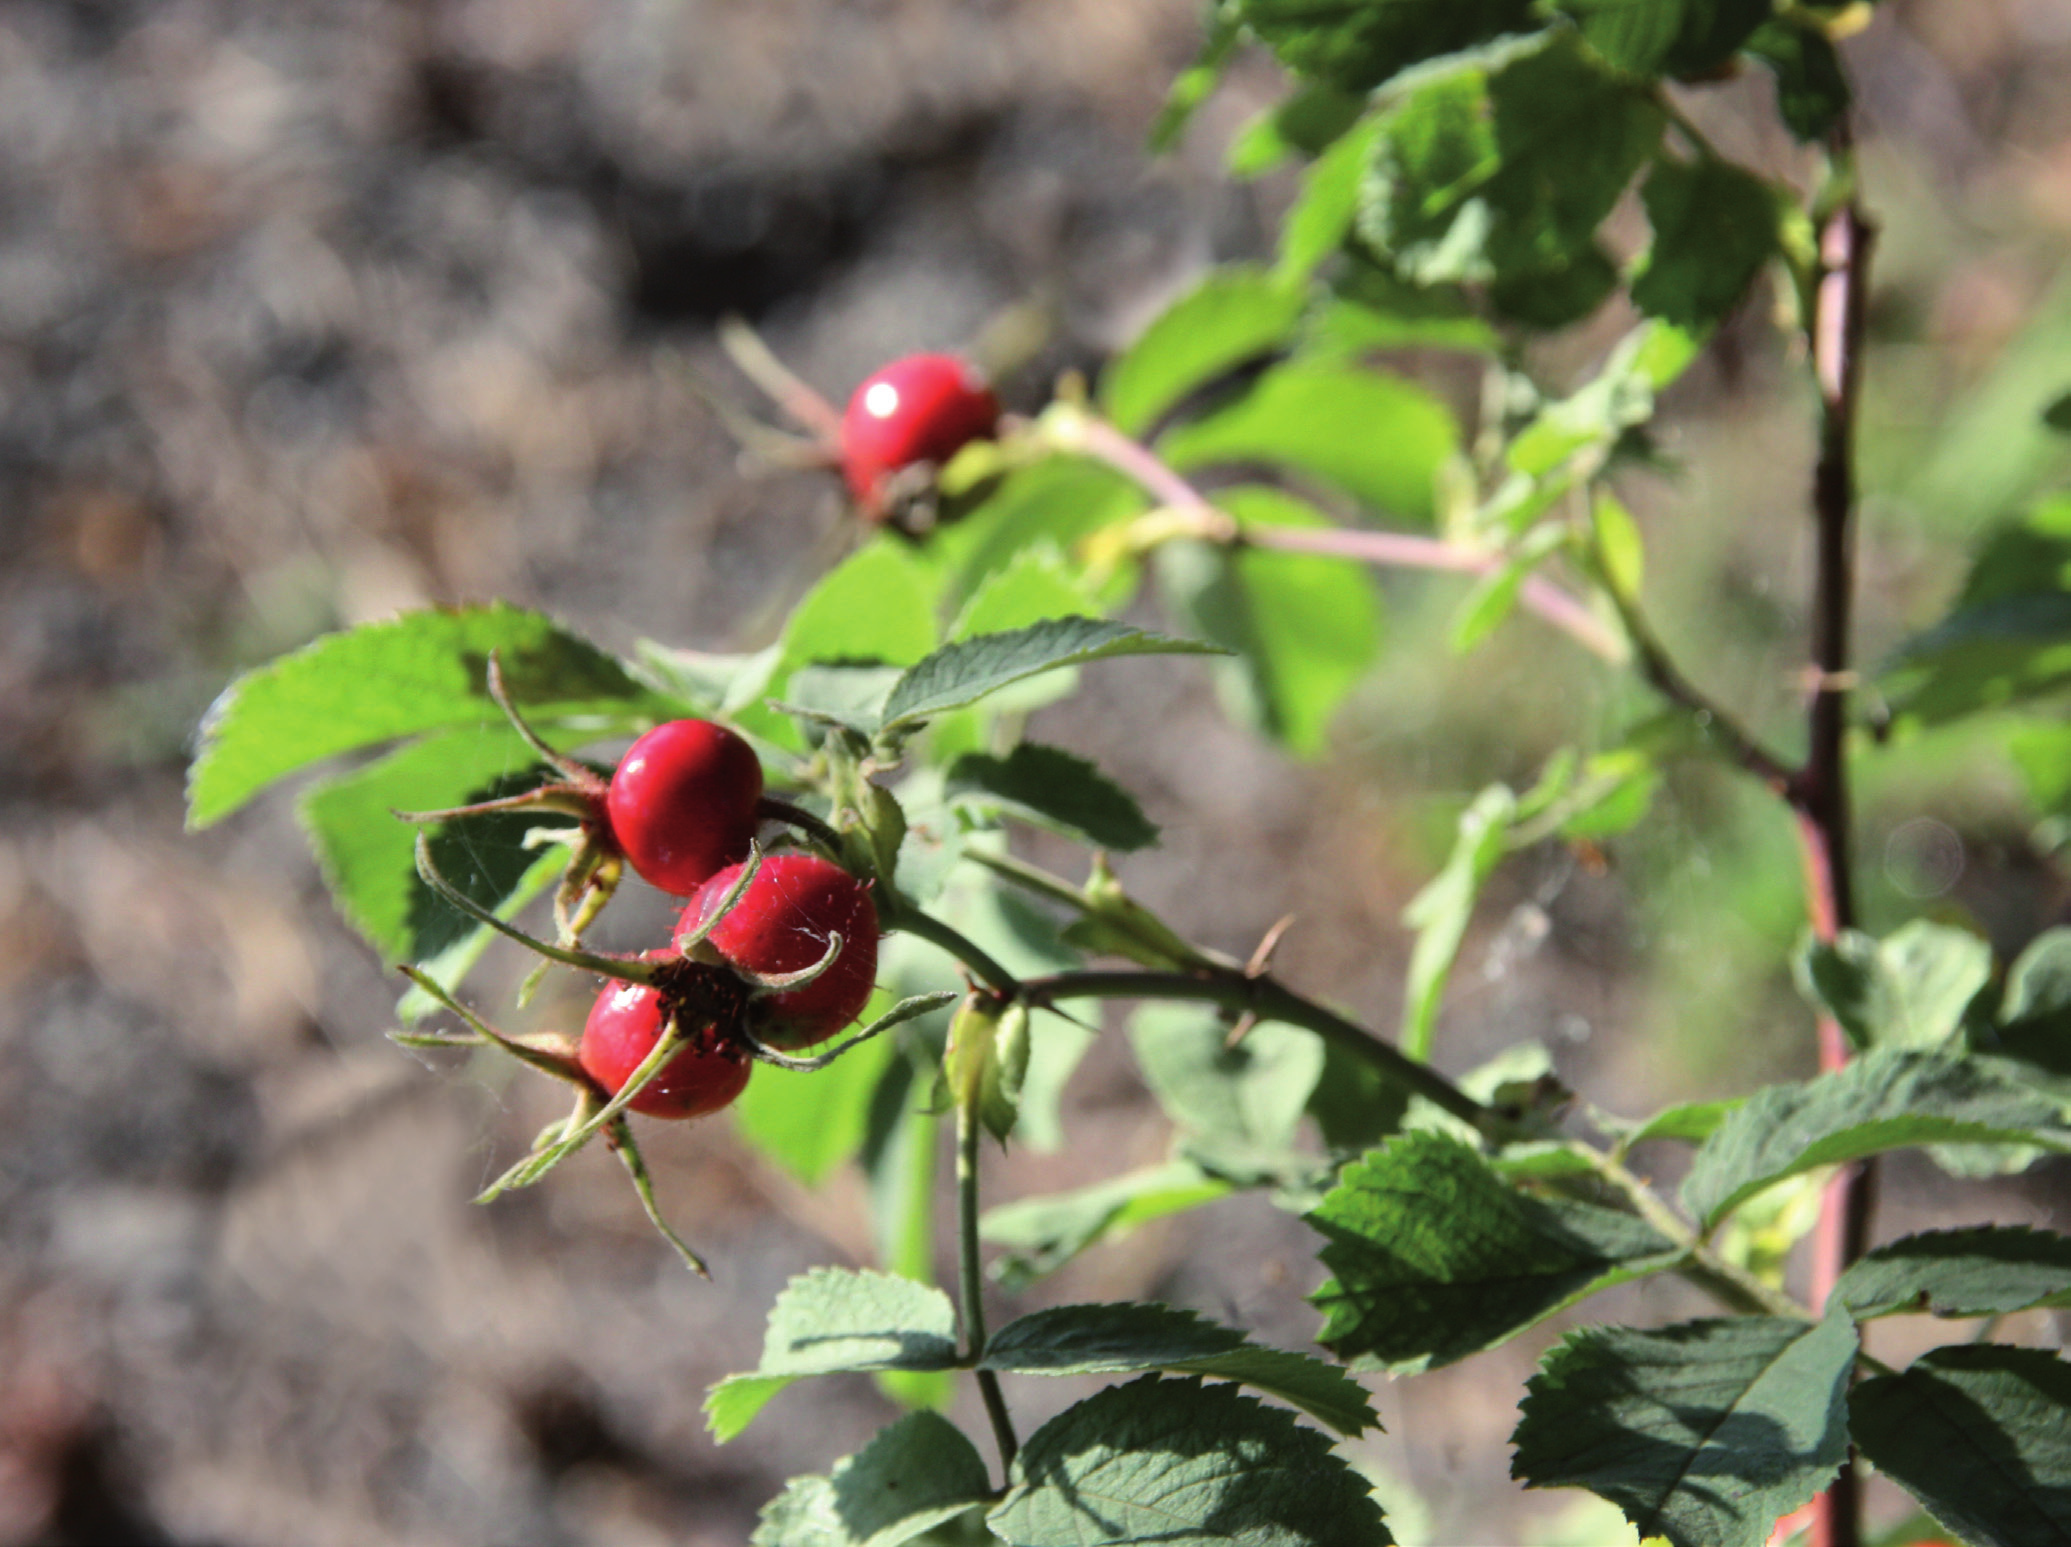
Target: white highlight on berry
881, 400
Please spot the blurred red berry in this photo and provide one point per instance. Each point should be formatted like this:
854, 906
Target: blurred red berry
923, 408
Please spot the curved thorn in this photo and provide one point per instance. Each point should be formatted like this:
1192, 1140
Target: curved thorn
625, 968
531, 738
621, 1141
900, 1013
762, 983
749, 868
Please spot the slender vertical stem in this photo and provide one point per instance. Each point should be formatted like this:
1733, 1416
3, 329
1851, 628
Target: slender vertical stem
970, 1281
1819, 795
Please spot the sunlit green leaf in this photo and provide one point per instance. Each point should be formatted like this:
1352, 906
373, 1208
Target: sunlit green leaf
421, 672
1233, 316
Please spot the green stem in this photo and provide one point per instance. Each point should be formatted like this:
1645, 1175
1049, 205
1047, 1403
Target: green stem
1270, 1000
970, 1280
896, 911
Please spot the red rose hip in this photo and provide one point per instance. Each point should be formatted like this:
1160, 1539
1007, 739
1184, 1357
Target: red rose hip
682, 803
624, 1025
923, 408
782, 923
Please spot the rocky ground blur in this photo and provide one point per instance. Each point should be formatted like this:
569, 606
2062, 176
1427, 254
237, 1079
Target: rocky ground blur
313, 311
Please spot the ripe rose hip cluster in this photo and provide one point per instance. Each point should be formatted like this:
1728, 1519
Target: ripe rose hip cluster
682, 807
771, 954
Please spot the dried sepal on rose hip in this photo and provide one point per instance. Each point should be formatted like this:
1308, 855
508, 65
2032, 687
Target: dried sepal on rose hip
783, 922
921, 409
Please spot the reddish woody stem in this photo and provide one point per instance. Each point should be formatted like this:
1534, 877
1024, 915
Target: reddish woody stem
1819, 793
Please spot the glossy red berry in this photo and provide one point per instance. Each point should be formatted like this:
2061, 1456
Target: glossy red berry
624, 1025
924, 408
682, 803
782, 924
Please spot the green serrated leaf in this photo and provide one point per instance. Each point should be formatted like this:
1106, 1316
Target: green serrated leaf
1242, 1103
1693, 1121
1234, 315
1306, 628
1648, 38
2008, 638
1589, 421
376, 684
1057, 790
1129, 1338
1439, 913
1909, 990
1993, 1270
968, 670
1977, 1434
1715, 228
1435, 1257
1378, 438
830, 1321
367, 855
1360, 44
1033, 586
1044, 1233
1328, 206
1304, 123
1197, 82
915, 1475
1176, 1462
1811, 88
1886, 1099
1500, 172
1703, 1433
2035, 1014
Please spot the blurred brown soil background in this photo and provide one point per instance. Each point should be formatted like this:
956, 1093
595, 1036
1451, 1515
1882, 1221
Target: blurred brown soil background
314, 311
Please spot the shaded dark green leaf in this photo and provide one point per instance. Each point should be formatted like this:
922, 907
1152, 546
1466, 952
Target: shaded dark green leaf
1306, 122
368, 856
1990, 1271
1130, 1338
1503, 172
1057, 790
1435, 1257
1715, 227
1811, 88
1703, 1433
1359, 44
1886, 1099
1176, 1462
1977, 1434
967, 670
915, 1475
